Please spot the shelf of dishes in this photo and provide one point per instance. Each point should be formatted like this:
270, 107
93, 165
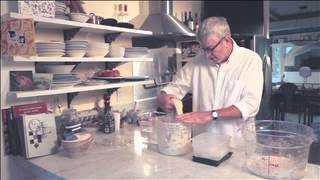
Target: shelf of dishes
61, 24
77, 59
77, 88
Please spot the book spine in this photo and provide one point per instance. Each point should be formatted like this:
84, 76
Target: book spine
12, 131
5, 131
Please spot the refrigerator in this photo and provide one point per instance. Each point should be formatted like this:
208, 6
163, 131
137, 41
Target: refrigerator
261, 45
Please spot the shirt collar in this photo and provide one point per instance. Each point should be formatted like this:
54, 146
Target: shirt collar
233, 53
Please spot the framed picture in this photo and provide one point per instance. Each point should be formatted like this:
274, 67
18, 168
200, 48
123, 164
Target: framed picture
42, 81
17, 37
186, 50
21, 81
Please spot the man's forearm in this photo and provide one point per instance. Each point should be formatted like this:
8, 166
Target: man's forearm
231, 112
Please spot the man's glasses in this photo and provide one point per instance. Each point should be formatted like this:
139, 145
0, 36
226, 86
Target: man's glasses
209, 50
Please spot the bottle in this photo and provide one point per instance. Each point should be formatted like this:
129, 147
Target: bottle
108, 125
120, 13
185, 18
125, 15
190, 22
196, 22
115, 13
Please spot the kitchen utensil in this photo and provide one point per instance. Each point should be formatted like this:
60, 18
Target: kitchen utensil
174, 138
277, 149
210, 161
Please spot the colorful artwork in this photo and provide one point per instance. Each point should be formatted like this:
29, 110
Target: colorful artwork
37, 8
21, 81
17, 37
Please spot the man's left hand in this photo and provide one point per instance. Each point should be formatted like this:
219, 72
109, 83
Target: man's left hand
195, 117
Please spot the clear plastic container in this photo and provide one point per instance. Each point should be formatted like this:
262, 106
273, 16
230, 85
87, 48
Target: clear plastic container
210, 145
277, 149
147, 123
173, 138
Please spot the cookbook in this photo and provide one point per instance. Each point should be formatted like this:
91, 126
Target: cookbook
40, 135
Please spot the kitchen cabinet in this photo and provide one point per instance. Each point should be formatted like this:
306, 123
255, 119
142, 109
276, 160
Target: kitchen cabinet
70, 28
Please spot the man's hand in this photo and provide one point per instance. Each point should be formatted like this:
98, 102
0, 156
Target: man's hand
165, 101
195, 117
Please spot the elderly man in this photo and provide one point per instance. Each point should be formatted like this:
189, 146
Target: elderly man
226, 81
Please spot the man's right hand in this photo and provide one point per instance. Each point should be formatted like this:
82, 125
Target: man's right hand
165, 101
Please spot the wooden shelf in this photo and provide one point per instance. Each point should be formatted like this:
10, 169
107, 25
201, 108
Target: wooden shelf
61, 24
36, 93
78, 59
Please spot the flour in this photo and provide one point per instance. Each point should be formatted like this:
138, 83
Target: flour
275, 167
173, 138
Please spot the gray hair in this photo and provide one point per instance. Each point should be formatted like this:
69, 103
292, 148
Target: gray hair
214, 25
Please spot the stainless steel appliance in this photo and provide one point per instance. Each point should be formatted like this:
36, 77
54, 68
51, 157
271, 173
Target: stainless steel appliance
260, 45
164, 23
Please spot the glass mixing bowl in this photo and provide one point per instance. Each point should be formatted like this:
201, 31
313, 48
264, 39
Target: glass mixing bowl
277, 149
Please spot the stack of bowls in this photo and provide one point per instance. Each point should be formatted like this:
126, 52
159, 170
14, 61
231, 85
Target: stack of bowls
60, 10
50, 49
76, 48
116, 51
96, 49
136, 52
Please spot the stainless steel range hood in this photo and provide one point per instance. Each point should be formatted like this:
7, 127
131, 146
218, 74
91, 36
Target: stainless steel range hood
164, 24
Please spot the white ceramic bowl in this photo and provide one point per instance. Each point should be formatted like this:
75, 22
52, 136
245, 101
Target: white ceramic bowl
116, 51
98, 45
75, 53
80, 17
58, 69
97, 52
77, 148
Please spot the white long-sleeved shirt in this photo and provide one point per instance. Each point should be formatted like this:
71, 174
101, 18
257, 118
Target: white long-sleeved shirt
238, 82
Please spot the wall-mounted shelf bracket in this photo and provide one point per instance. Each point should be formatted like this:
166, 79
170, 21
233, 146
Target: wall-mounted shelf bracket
108, 38
68, 34
111, 91
155, 85
111, 65
70, 97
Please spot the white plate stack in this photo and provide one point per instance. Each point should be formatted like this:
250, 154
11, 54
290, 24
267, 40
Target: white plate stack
136, 52
60, 11
64, 80
97, 49
50, 49
76, 48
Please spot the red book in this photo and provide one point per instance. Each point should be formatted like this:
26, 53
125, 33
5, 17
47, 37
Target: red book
34, 108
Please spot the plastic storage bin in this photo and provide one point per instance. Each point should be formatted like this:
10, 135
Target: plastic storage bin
173, 138
210, 145
277, 149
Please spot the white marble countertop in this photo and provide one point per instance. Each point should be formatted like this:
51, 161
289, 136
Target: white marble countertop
123, 155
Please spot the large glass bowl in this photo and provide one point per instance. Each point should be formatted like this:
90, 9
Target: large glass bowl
277, 149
